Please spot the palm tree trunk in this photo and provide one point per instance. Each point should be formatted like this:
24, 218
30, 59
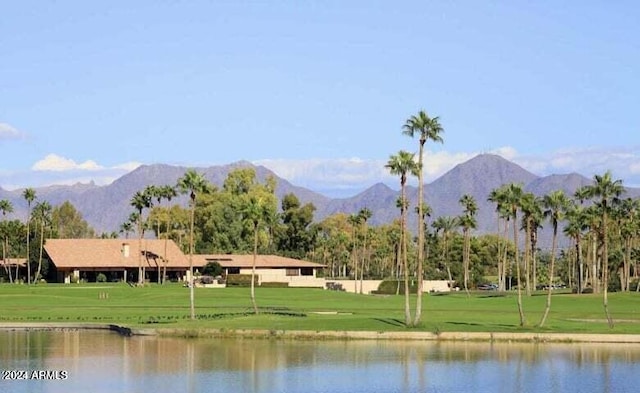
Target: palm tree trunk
420, 259
405, 265
253, 269
605, 269
515, 241
191, 281
465, 261
37, 276
28, 264
554, 244
7, 268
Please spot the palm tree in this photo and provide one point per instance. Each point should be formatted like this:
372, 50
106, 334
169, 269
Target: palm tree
499, 197
604, 190
467, 222
126, 227
6, 207
42, 211
574, 229
531, 217
256, 212
364, 215
402, 164
192, 183
447, 225
513, 201
428, 129
168, 192
140, 201
29, 194
354, 220
556, 205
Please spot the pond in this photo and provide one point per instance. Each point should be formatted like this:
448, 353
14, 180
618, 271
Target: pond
74, 361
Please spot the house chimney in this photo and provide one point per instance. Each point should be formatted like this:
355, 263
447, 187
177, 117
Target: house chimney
125, 250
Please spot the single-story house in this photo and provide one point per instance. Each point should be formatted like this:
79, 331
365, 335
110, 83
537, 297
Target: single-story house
269, 268
117, 259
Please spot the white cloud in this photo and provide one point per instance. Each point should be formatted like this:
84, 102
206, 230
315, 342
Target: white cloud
347, 176
57, 170
9, 132
128, 166
54, 162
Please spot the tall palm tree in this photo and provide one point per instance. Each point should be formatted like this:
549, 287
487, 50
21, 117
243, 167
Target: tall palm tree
402, 164
42, 211
6, 207
140, 201
467, 222
168, 192
29, 194
364, 214
555, 205
604, 190
499, 197
531, 217
447, 225
354, 220
193, 184
513, 201
427, 128
574, 229
255, 212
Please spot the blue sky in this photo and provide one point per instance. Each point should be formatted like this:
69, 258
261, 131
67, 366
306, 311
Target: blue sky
315, 90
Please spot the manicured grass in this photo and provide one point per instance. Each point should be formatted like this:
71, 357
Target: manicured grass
309, 309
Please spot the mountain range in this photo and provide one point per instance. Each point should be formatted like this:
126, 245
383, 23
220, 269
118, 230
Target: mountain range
106, 207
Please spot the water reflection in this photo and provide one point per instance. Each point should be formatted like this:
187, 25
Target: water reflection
106, 362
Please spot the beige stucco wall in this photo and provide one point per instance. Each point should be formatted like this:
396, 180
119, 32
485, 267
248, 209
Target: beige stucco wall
369, 286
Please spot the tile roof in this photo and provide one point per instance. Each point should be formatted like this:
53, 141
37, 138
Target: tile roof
109, 253
246, 261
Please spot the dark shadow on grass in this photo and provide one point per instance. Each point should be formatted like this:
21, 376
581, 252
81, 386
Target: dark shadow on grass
390, 321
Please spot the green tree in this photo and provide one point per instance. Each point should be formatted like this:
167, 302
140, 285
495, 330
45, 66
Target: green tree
499, 197
69, 224
295, 236
258, 210
604, 190
42, 213
447, 225
141, 200
402, 164
364, 215
555, 205
513, 202
29, 194
468, 222
427, 128
5, 207
192, 183
354, 220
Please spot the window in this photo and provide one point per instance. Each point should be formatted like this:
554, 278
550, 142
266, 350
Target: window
306, 271
233, 270
293, 272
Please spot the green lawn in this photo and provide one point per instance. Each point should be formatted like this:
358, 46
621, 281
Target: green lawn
309, 309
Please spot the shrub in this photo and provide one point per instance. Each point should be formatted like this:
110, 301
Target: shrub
274, 284
390, 286
212, 269
239, 280
101, 277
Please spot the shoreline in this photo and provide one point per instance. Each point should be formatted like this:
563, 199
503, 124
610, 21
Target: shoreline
335, 335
